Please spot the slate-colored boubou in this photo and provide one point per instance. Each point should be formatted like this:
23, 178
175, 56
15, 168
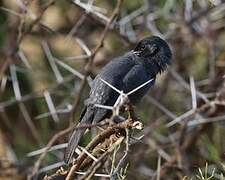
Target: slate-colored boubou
150, 57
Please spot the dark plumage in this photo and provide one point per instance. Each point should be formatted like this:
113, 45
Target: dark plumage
150, 57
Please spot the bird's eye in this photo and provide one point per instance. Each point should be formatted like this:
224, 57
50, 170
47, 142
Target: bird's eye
142, 48
153, 49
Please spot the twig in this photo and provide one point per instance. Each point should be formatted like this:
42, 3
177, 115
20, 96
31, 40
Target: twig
186, 85
158, 168
115, 172
98, 139
100, 160
51, 106
52, 63
103, 22
54, 139
37, 19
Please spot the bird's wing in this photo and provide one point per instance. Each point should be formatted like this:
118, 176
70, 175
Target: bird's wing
113, 73
133, 79
84, 110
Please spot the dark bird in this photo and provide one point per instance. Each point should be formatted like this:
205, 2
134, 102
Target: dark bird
151, 56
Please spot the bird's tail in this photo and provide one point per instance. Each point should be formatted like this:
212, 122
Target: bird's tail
76, 136
73, 143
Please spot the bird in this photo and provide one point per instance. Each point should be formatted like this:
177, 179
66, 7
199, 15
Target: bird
151, 56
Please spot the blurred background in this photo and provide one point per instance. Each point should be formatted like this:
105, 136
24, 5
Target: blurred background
45, 47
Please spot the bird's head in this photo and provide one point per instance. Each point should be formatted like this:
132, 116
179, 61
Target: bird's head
154, 50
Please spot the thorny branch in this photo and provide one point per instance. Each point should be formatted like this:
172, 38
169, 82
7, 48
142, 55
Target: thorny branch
98, 139
55, 138
13, 48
